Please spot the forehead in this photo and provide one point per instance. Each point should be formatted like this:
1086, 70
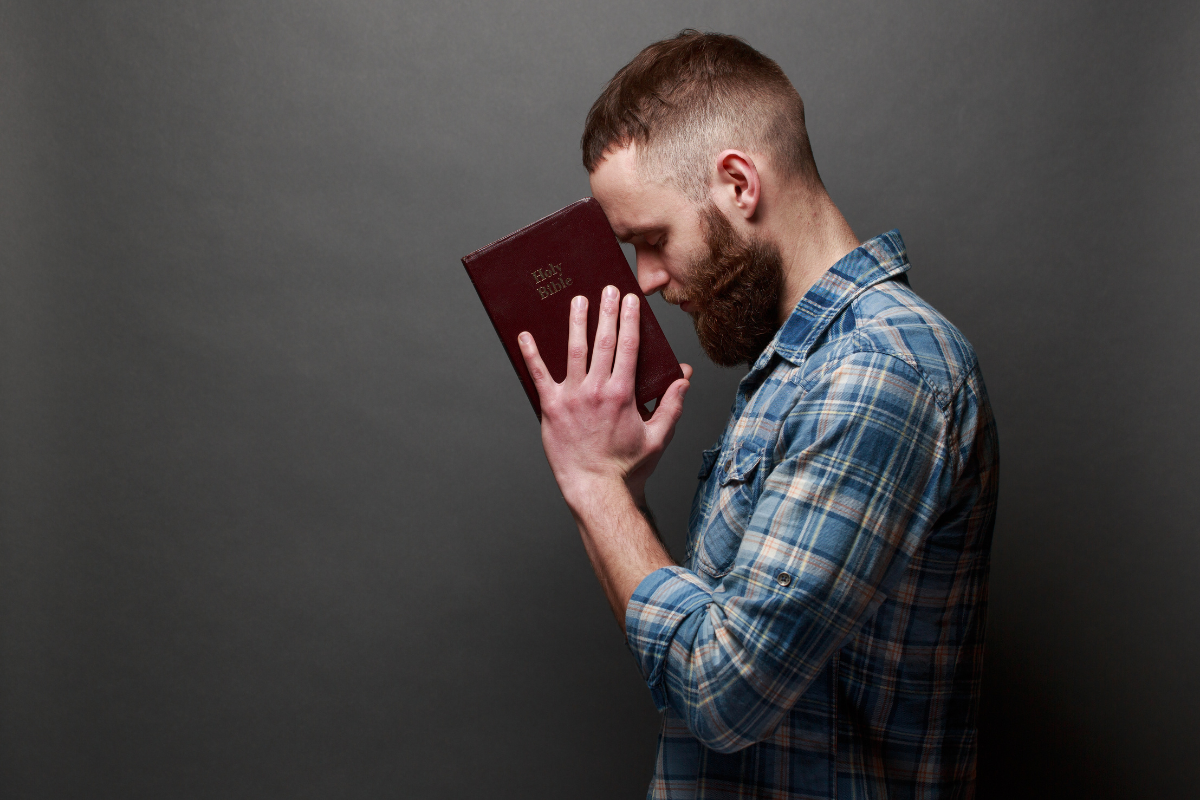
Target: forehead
633, 201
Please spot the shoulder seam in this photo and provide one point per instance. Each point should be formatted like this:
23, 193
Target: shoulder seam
865, 345
969, 365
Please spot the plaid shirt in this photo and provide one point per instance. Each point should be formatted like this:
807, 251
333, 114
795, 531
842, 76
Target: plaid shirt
825, 636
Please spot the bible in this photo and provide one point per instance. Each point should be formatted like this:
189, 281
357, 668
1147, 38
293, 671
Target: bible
527, 280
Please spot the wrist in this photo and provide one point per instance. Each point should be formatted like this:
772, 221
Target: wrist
594, 489
597, 497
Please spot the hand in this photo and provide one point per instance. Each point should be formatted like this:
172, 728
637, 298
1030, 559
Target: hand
593, 430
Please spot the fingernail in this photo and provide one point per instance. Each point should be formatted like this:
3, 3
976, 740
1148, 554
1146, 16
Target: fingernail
524, 338
631, 301
579, 301
610, 292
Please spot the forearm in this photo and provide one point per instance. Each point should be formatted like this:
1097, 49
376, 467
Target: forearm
620, 541
600, 445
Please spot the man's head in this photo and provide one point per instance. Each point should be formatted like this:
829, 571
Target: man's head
675, 145
684, 100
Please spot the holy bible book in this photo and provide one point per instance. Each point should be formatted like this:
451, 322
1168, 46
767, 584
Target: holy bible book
527, 279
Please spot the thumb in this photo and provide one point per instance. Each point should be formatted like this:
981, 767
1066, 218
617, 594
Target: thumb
668, 411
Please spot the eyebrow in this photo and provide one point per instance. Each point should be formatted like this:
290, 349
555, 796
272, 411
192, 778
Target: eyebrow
625, 234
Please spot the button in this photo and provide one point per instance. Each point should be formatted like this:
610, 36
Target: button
784, 579
729, 465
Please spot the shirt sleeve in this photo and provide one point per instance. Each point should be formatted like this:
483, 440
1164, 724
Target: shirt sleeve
838, 518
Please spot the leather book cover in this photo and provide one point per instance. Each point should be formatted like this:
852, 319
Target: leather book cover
527, 279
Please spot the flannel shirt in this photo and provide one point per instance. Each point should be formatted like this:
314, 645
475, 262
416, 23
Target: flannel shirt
824, 637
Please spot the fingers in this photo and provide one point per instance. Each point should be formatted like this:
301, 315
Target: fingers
625, 366
606, 333
687, 371
577, 345
535, 365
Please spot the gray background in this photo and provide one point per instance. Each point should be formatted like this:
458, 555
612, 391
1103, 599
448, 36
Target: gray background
276, 521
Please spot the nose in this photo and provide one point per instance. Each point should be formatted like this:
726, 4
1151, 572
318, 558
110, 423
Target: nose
651, 276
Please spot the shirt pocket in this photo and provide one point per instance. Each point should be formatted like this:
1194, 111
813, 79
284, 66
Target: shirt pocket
702, 499
738, 485
708, 461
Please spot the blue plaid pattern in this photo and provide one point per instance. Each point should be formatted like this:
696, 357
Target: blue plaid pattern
825, 635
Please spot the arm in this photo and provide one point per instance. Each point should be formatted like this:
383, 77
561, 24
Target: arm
836, 523
601, 448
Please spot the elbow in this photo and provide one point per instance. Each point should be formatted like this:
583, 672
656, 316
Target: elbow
727, 745
728, 696
732, 719
722, 738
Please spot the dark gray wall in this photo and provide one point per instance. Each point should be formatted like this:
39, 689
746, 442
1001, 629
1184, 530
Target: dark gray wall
276, 521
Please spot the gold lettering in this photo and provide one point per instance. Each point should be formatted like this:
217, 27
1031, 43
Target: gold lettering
546, 277
546, 273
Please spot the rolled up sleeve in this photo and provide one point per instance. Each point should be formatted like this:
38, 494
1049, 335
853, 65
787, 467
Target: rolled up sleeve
660, 605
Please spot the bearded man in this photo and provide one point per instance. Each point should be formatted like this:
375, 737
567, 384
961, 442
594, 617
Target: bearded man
824, 636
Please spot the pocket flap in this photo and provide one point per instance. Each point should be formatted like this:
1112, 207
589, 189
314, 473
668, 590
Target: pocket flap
738, 465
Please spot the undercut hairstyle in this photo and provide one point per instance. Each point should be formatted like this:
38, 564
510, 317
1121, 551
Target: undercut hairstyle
684, 100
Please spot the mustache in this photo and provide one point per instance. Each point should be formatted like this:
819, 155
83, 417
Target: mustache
673, 296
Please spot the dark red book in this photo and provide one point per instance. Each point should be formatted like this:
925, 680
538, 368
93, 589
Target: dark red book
527, 279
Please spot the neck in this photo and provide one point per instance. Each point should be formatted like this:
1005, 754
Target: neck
813, 236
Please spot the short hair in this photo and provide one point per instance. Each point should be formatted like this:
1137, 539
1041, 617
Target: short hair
684, 99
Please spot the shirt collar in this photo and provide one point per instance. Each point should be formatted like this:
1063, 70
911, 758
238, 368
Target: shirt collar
872, 262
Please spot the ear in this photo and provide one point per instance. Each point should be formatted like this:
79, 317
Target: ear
738, 187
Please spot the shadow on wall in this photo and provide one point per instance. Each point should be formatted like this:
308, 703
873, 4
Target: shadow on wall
1030, 744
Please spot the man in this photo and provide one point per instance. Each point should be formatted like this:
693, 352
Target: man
824, 636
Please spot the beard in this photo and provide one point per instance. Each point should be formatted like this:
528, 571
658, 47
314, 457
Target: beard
735, 289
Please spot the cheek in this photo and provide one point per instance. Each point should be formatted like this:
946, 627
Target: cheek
684, 268
675, 272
